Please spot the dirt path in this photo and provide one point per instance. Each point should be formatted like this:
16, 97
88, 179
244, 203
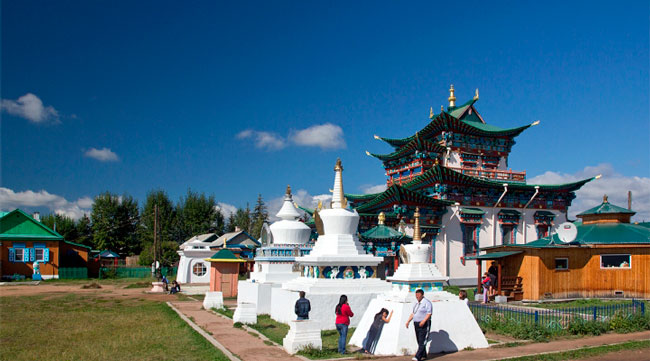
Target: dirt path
238, 341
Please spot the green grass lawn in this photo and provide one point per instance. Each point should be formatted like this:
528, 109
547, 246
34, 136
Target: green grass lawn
82, 327
591, 302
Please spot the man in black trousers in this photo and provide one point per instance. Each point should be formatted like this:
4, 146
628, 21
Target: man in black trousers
421, 317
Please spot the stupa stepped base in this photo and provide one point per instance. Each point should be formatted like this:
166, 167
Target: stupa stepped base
339, 246
453, 326
412, 272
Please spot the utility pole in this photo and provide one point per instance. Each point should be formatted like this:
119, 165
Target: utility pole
155, 237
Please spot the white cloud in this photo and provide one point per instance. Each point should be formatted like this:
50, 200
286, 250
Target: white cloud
102, 155
300, 197
30, 107
30, 200
324, 136
226, 209
370, 189
612, 183
263, 140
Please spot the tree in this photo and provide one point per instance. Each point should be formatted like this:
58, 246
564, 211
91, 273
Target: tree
242, 219
165, 222
231, 223
63, 225
115, 223
84, 231
197, 214
260, 215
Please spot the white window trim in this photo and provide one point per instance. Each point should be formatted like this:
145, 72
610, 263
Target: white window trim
616, 254
42, 259
205, 269
22, 255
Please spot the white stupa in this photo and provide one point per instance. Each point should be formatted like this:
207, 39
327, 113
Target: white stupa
453, 326
337, 265
274, 263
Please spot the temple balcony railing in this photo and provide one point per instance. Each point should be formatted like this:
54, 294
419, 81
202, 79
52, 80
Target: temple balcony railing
493, 174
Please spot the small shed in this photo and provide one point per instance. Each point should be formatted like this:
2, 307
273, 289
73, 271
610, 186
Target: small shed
224, 272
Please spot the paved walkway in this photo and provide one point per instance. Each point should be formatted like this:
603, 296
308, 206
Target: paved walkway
248, 347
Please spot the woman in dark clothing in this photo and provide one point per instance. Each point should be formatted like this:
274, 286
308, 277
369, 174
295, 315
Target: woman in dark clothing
374, 332
493, 271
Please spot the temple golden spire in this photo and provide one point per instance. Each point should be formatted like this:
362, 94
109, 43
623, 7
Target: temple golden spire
288, 192
452, 98
381, 218
605, 199
476, 95
338, 198
442, 108
431, 113
416, 229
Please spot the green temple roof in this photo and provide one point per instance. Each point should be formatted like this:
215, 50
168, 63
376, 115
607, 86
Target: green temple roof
477, 211
594, 234
401, 195
383, 232
224, 255
470, 124
442, 174
416, 144
606, 208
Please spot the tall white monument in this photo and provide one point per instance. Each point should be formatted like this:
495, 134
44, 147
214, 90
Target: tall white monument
274, 263
453, 326
337, 265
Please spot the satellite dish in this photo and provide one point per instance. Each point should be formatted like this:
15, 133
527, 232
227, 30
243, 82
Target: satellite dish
567, 232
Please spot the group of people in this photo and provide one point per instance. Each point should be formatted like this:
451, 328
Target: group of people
489, 282
176, 287
420, 316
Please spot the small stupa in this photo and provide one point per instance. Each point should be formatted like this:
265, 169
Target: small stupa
453, 326
337, 265
274, 263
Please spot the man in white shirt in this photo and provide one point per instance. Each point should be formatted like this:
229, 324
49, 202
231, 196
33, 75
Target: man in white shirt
421, 317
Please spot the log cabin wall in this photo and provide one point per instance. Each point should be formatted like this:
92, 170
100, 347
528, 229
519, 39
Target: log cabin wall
584, 277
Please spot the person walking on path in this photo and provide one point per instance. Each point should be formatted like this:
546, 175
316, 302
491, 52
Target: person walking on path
370, 343
343, 314
302, 307
421, 317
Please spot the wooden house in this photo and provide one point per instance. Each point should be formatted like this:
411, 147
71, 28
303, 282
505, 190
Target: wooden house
609, 257
25, 240
224, 272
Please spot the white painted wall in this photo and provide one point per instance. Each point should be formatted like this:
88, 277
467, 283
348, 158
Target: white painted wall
449, 243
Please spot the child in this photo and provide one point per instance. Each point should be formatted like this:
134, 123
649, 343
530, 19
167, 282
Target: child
374, 332
487, 282
462, 295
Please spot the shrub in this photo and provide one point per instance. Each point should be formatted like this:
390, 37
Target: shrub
579, 326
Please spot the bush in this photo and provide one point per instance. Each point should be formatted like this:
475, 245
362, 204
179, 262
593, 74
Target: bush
581, 327
631, 323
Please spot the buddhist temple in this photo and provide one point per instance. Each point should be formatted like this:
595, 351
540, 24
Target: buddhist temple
456, 170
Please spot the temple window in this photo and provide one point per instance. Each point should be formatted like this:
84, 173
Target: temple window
542, 231
615, 261
470, 238
508, 234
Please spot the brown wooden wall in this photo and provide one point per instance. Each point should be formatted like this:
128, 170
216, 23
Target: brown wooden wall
25, 268
584, 278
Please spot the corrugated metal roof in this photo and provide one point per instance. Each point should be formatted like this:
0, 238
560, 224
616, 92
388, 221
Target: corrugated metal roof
494, 255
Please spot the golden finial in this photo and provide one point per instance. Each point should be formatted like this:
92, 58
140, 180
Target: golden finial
416, 230
288, 190
367, 152
338, 165
381, 218
320, 205
436, 162
442, 108
452, 98
344, 204
377, 137
476, 95
605, 199
431, 113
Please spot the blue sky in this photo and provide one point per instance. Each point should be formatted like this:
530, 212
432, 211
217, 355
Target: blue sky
240, 98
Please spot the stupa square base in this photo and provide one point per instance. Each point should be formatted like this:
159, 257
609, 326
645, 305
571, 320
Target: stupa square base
324, 294
303, 333
453, 326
